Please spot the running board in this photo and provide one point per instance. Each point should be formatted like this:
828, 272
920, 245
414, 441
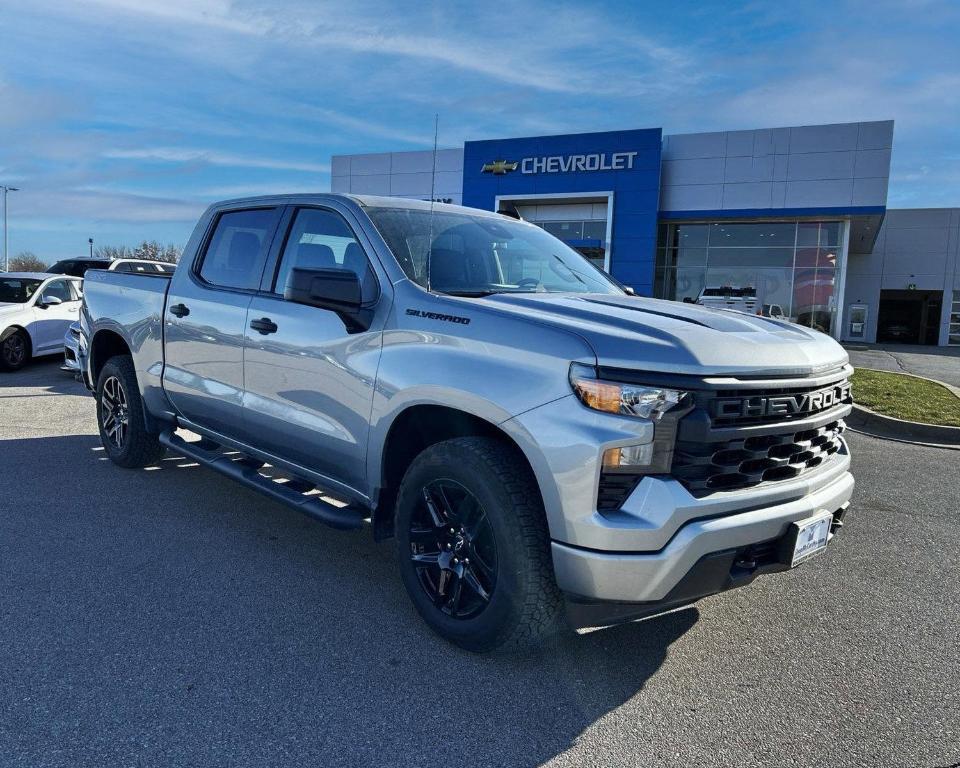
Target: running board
245, 470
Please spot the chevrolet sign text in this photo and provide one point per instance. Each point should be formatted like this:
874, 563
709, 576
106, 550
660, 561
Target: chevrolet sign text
787, 405
617, 161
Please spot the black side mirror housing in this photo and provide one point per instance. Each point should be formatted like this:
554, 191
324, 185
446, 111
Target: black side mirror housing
338, 290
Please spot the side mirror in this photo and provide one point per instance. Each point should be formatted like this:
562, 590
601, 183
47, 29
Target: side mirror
335, 289
48, 301
629, 291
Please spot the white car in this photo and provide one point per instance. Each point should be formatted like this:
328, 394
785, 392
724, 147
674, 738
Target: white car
36, 309
141, 266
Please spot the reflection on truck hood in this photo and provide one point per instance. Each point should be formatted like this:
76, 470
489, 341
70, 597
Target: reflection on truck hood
658, 335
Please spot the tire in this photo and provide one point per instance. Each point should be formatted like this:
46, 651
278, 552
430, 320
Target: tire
15, 349
123, 430
485, 489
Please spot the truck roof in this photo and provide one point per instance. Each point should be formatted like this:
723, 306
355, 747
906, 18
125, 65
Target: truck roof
367, 201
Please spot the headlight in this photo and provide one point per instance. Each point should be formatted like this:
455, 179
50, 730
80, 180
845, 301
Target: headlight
637, 400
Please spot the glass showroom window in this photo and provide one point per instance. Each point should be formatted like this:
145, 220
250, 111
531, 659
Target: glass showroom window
791, 265
954, 337
587, 237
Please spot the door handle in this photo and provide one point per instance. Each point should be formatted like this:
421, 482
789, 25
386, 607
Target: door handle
264, 325
180, 310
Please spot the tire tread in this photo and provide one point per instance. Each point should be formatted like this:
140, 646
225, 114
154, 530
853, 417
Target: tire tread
539, 614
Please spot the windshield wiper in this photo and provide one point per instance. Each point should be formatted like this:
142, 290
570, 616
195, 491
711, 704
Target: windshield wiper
470, 294
566, 266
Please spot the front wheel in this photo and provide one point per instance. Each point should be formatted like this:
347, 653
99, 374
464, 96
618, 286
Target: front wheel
123, 429
14, 350
473, 546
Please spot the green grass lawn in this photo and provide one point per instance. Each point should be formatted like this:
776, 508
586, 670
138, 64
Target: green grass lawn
906, 397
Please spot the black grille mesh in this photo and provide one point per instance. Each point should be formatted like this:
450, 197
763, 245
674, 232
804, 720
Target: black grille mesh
744, 462
614, 489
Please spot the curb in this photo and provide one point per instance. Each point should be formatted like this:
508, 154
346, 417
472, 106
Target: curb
875, 424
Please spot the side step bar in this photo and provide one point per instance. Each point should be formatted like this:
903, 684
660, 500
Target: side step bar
246, 471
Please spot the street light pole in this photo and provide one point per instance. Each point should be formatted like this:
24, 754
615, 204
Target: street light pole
6, 256
90, 240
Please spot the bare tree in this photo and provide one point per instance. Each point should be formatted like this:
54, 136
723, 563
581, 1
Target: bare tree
25, 261
113, 252
154, 251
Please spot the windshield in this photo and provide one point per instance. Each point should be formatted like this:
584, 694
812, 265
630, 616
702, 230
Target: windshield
17, 290
480, 255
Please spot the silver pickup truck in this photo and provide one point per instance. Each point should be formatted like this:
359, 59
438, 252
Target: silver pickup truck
545, 448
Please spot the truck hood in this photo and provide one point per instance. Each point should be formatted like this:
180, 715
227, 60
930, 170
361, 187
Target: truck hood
671, 337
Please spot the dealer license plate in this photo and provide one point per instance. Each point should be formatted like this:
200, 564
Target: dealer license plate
812, 537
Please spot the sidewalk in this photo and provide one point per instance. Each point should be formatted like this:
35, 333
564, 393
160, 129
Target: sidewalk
940, 363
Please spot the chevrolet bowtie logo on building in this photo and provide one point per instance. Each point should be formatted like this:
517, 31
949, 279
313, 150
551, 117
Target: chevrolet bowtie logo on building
499, 167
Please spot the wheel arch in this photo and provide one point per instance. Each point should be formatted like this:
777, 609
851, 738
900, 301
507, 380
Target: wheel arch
107, 343
412, 430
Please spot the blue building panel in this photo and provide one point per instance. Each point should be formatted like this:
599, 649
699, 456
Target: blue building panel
626, 163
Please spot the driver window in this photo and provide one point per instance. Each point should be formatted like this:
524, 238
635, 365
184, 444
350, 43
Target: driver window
321, 239
60, 290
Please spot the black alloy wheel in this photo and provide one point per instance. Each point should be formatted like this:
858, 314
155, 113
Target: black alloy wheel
453, 549
14, 351
473, 545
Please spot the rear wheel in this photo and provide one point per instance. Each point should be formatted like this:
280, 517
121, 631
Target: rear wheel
473, 546
14, 349
123, 430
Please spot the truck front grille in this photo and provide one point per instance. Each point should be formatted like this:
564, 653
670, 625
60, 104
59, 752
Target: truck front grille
705, 467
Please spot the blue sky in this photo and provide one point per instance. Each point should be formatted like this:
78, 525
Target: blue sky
122, 119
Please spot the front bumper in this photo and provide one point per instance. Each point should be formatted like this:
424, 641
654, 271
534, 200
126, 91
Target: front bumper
70, 362
650, 577
646, 551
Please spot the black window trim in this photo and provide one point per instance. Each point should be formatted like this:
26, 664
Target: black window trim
197, 264
267, 286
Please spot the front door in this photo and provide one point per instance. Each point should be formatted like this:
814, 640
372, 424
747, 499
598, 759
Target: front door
309, 376
51, 321
205, 317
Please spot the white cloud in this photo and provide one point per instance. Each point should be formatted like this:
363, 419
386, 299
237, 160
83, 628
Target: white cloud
548, 47
212, 157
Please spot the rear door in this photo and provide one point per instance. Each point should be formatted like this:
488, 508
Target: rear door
309, 377
206, 314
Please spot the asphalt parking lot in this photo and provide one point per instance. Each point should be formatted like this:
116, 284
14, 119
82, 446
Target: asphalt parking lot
169, 617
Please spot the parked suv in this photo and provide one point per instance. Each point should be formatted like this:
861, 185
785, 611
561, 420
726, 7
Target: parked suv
541, 444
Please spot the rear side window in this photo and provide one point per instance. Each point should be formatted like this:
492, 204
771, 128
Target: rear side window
238, 249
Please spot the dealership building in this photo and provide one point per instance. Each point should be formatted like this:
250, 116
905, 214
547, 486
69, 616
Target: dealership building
794, 218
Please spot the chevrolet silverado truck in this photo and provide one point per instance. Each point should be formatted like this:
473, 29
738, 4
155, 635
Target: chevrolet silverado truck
546, 449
